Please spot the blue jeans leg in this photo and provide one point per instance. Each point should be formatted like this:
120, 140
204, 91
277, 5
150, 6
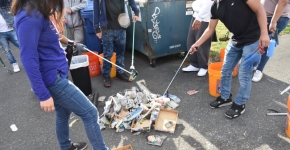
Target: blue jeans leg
5, 37
281, 25
108, 49
120, 49
68, 98
233, 55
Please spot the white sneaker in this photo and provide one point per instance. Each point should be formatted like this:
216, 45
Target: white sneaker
257, 76
190, 68
15, 67
202, 72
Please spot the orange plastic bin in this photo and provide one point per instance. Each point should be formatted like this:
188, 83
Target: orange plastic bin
113, 60
222, 56
94, 66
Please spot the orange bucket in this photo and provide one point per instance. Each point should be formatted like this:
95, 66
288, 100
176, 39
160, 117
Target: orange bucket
113, 60
214, 76
222, 56
94, 66
288, 118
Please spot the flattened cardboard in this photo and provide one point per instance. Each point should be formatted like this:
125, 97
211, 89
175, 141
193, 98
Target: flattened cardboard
127, 147
143, 125
165, 116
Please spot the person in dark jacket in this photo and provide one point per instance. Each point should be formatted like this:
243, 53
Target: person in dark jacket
7, 33
113, 35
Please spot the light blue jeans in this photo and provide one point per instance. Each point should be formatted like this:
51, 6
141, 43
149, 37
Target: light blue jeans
114, 40
68, 98
5, 37
232, 57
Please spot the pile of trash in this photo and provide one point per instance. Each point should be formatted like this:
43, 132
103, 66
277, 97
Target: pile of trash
138, 110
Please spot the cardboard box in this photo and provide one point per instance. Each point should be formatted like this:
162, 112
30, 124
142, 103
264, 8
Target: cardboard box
164, 116
127, 147
141, 125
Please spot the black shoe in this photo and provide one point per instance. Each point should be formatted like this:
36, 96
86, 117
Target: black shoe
219, 102
235, 110
122, 76
78, 146
107, 82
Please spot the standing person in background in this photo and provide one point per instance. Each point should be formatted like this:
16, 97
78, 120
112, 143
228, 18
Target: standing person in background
277, 12
199, 22
73, 20
7, 33
46, 66
246, 19
113, 36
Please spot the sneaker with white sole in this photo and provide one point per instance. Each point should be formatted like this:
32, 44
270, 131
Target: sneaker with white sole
78, 146
235, 111
190, 68
257, 76
202, 72
15, 67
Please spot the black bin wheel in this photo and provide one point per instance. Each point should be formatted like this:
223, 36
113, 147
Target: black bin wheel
152, 63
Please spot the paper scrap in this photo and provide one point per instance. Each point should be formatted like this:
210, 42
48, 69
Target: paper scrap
102, 98
191, 92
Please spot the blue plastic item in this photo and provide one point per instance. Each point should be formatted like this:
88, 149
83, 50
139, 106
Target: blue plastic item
271, 48
90, 39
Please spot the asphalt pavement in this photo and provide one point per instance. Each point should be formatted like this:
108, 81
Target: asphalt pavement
199, 126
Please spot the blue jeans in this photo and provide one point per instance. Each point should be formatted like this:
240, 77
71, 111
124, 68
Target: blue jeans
5, 37
113, 40
281, 25
232, 56
68, 98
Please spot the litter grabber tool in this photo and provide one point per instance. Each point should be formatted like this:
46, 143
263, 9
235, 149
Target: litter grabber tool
275, 113
166, 91
133, 73
9, 71
132, 64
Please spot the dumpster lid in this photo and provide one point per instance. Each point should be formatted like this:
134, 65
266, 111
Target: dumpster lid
79, 61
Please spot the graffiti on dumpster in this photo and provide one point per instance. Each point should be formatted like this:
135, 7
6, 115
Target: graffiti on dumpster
155, 33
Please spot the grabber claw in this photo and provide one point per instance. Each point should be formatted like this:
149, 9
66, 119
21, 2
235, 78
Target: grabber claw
133, 74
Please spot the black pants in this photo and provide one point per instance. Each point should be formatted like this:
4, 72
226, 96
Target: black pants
200, 58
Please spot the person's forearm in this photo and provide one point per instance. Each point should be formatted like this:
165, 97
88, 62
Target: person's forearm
208, 32
279, 9
262, 20
63, 40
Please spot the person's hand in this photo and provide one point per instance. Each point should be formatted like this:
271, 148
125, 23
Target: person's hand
80, 47
196, 24
68, 11
64, 21
264, 40
252, 60
193, 49
135, 18
47, 105
272, 27
99, 35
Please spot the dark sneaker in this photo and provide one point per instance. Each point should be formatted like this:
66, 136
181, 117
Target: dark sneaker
122, 76
219, 102
78, 146
235, 110
107, 82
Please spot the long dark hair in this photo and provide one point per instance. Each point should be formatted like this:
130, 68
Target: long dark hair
46, 7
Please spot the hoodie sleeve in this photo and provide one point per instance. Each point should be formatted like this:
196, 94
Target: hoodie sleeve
80, 6
132, 4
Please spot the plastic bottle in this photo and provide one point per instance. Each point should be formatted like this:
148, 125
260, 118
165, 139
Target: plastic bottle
288, 118
271, 48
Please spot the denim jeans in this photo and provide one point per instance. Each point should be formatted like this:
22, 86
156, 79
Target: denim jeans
5, 37
232, 56
281, 25
68, 98
114, 40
